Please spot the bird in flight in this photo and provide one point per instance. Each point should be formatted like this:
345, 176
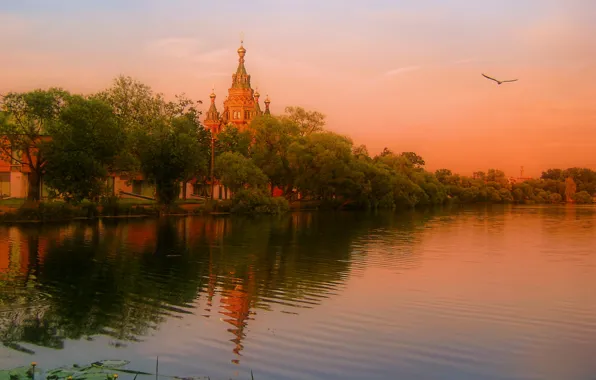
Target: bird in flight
499, 81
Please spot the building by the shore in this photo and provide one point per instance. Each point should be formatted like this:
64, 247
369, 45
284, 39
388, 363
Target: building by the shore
240, 107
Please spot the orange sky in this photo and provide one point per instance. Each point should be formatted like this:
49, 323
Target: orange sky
401, 74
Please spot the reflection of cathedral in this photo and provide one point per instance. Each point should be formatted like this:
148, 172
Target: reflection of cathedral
236, 304
242, 103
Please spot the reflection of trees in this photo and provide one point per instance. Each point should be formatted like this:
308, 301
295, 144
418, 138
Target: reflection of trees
96, 289
125, 278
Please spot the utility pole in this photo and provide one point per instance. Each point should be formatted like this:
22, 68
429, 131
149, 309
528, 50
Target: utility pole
212, 164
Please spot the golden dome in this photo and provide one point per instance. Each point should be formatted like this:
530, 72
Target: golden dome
267, 99
212, 96
241, 50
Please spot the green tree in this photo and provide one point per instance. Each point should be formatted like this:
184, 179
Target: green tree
443, 175
415, 160
231, 139
196, 151
24, 129
552, 174
322, 163
582, 197
139, 111
270, 151
236, 172
169, 154
85, 140
308, 122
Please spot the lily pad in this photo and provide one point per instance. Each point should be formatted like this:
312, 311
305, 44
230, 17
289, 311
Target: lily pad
111, 363
59, 373
19, 373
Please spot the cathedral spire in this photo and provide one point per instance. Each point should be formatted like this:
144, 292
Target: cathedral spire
212, 117
241, 79
267, 102
258, 111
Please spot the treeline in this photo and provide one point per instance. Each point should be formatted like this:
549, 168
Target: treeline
74, 142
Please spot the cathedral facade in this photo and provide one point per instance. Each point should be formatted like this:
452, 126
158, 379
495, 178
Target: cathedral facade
241, 105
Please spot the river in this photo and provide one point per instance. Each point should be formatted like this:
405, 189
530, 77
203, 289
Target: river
501, 292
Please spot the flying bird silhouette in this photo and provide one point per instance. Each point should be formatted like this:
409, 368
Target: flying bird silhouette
499, 81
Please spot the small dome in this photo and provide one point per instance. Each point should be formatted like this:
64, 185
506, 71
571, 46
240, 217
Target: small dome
212, 96
267, 99
241, 50
257, 94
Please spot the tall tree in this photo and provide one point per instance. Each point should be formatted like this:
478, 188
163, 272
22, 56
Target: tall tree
237, 171
416, 160
231, 139
308, 122
85, 140
139, 110
195, 155
24, 129
272, 140
168, 154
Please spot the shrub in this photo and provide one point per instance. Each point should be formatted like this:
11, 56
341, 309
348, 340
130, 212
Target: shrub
258, 202
583, 197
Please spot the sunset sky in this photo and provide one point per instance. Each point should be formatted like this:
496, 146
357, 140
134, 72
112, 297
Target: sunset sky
395, 73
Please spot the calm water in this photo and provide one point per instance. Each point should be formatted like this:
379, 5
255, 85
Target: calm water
497, 293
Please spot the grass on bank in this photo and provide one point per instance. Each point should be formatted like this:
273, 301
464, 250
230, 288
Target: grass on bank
244, 202
100, 370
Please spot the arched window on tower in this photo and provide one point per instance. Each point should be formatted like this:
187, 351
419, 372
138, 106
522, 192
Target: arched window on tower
247, 115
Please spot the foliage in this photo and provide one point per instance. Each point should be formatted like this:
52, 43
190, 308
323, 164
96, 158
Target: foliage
256, 201
270, 150
26, 118
237, 172
231, 139
583, 197
307, 122
140, 111
85, 140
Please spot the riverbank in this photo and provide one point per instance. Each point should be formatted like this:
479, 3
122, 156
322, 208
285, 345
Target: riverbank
16, 211
21, 211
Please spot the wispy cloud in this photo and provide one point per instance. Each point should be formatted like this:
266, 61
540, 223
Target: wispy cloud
402, 70
174, 47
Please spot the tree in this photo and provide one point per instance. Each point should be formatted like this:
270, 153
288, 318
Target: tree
386, 152
308, 122
553, 174
24, 129
195, 155
85, 140
322, 163
139, 110
498, 176
555, 198
236, 172
272, 140
415, 159
570, 188
361, 152
582, 197
479, 175
443, 174
168, 154
231, 139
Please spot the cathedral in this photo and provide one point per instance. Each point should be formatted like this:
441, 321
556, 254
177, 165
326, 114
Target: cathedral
242, 103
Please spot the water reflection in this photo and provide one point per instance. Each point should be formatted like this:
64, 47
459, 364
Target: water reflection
440, 294
124, 279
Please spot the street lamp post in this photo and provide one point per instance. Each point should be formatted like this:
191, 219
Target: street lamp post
212, 165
